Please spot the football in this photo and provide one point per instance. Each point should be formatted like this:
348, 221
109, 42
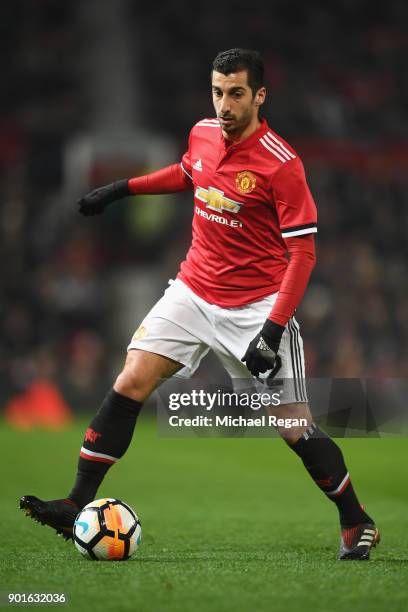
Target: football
107, 529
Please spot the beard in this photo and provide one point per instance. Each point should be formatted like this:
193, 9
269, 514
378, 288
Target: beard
237, 125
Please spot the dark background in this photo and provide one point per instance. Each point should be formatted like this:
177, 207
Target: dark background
93, 91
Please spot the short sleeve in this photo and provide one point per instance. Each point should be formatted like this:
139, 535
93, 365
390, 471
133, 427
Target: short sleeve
185, 163
294, 203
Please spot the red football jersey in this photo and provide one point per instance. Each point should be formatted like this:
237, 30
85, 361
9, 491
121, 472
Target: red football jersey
248, 197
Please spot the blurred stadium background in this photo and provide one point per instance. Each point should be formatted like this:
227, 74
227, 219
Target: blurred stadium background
100, 90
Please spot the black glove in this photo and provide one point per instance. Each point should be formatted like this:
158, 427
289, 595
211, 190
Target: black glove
95, 202
262, 352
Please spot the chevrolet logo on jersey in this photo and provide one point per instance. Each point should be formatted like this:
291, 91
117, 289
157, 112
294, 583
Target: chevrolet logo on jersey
215, 199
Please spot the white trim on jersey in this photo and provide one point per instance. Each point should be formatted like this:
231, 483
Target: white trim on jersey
185, 171
202, 124
298, 232
208, 123
276, 147
275, 153
281, 145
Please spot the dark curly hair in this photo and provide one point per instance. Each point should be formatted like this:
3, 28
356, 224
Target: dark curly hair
235, 60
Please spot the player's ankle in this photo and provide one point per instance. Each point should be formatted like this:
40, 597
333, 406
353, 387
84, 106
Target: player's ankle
74, 502
350, 521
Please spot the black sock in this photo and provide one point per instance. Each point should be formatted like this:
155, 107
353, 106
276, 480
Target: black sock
324, 461
106, 440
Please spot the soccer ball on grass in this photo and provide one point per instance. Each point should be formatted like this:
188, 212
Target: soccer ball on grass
107, 529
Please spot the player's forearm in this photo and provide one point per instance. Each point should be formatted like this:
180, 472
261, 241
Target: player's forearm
170, 179
302, 261
167, 180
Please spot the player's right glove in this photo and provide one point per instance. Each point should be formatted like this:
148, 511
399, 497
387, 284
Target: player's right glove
95, 202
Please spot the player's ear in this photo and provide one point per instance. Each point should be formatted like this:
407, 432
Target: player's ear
260, 96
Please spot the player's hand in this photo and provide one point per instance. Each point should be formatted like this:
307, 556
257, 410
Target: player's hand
262, 352
95, 202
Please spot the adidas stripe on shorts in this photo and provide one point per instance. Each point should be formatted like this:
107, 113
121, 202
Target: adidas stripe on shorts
184, 327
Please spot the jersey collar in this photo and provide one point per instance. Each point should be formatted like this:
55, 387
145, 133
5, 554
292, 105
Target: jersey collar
248, 142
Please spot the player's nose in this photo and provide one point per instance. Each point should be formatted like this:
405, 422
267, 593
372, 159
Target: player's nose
224, 106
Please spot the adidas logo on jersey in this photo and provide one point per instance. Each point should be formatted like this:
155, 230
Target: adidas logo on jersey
198, 166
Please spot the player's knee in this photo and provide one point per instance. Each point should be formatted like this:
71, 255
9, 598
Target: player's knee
292, 420
131, 383
293, 434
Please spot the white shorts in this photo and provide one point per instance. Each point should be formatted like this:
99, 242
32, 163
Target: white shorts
184, 327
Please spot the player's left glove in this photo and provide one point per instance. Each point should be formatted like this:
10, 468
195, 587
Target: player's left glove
262, 352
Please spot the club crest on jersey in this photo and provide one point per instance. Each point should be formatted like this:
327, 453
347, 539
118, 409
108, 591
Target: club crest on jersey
245, 181
214, 198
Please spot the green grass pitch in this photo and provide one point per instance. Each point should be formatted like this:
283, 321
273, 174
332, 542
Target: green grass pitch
228, 525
